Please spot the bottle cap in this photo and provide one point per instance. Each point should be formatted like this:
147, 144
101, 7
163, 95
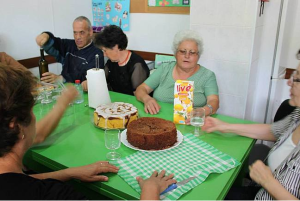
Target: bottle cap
77, 81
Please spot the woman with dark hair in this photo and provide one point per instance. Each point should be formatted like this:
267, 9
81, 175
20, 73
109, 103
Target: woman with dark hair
17, 134
47, 124
124, 70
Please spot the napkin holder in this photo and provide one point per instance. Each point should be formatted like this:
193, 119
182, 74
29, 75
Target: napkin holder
97, 88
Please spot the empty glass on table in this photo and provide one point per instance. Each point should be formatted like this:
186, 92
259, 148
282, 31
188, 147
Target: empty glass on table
197, 119
113, 142
46, 92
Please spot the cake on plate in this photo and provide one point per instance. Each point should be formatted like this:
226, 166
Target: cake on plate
151, 133
115, 115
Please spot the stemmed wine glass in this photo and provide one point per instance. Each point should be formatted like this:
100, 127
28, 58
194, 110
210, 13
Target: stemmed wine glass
112, 142
197, 119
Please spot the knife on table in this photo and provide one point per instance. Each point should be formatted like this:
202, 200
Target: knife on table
173, 186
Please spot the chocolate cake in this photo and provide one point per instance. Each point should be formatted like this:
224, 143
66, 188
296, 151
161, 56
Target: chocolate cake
115, 115
151, 133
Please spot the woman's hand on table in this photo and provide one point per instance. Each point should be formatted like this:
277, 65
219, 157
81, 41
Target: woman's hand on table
90, 173
261, 173
153, 186
212, 124
151, 106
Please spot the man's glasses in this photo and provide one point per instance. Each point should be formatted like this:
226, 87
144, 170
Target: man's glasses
190, 53
293, 79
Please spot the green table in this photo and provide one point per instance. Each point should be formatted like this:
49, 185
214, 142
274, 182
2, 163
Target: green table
76, 141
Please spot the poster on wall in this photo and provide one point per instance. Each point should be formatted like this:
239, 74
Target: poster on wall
106, 12
168, 3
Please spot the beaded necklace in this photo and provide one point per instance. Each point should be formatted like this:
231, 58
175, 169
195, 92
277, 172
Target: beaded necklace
123, 62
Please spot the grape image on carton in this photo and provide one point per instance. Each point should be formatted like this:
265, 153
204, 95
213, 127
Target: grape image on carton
183, 100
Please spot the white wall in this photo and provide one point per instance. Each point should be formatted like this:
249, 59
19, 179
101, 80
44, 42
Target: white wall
20, 22
154, 32
291, 35
228, 29
240, 47
288, 45
266, 27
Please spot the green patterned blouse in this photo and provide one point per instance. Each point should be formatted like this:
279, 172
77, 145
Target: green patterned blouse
162, 82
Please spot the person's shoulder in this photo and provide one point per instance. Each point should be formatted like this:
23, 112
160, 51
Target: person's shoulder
136, 57
95, 49
205, 71
203, 68
167, 66
164, 69
12, 175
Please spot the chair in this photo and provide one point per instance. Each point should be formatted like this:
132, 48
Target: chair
284, 109
160, 60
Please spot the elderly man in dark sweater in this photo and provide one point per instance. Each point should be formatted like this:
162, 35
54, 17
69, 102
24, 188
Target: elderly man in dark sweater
76, 56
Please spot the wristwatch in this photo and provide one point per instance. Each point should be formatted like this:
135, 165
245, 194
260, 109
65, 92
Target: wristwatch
210, 108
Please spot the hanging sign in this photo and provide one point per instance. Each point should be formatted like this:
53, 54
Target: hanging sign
106, 12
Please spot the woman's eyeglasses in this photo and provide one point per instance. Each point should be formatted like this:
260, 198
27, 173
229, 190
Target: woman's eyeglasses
190, 53
293, 79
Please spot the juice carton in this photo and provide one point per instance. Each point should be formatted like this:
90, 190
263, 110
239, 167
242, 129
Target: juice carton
183, 100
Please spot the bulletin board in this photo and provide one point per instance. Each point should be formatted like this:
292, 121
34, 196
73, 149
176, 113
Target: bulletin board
141, 6
114, 12
169, 3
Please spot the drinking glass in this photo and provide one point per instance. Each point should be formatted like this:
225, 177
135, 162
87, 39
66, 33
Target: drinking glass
197, 119
45, 108
57, 92
46, 94
59, 87
112, 142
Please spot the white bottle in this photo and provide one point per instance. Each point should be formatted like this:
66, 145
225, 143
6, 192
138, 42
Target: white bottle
79, 98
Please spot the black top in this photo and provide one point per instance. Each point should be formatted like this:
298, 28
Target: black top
16, 186
125, 79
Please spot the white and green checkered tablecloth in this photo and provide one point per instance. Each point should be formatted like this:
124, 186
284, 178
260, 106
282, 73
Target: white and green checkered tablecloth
192, 157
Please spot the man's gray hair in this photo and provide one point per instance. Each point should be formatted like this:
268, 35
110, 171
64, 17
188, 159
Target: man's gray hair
83, 18
187, 35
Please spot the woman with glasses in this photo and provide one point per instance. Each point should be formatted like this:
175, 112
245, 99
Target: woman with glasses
278, 176
187, 48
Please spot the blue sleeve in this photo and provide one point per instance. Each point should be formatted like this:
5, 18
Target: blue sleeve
57, 47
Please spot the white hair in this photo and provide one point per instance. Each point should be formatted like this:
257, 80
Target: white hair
187, 35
